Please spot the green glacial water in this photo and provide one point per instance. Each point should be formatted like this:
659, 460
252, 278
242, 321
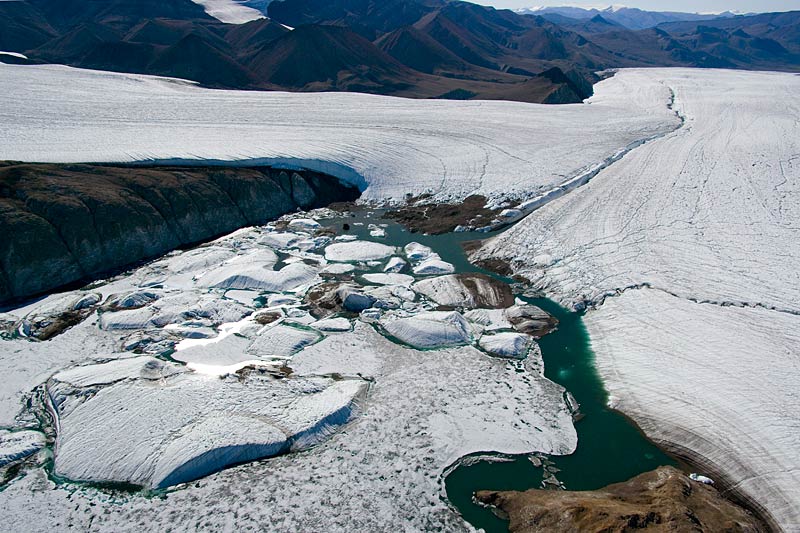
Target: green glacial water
610, 447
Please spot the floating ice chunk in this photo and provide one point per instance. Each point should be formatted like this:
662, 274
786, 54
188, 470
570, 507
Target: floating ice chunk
346, 238
395, 264
247, 271
376, 231
435, 329
531, 319
132, 300
191, 332
127, 319
87, 301
416, 252
119, 430
276, 300
353, 300
280, 240
338, 268
433, 266
281, 341
514, 345
357, 251
390, 279
466, 290
212, 443
199, 259
490, 319
17, 445
258, 277
308, 224
242, 296
332, 324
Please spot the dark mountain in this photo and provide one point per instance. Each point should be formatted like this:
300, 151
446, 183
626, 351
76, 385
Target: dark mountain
252, 36
631, 18
412, 48
194, 58
23, 27
420, 51
120, 14
783, 28
325, 58
371, 18
596, 24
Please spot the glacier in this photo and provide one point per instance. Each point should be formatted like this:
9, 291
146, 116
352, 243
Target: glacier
686, 254
389, 147
666, 205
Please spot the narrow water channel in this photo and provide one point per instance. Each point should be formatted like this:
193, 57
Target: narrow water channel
610, 447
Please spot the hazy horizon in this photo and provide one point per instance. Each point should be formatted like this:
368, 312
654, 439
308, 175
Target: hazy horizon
687, 6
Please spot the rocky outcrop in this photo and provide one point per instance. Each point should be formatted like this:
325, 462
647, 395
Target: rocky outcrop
662, 500
68, 223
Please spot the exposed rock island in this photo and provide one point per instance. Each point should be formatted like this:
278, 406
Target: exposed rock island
68, 223
662, 500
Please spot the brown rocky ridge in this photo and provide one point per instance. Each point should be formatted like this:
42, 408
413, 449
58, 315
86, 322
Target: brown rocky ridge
664, 500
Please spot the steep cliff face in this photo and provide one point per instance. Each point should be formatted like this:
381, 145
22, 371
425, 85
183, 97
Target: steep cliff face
66, 223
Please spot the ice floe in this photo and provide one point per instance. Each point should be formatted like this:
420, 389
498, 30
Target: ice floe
357, 251
434, 329
123, 432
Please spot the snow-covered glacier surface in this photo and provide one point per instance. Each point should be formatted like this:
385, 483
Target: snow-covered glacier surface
389, 146
689, 249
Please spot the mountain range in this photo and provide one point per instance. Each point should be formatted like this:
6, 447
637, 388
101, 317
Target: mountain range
411, 48
629, 17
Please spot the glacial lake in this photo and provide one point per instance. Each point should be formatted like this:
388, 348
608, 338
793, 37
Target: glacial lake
610, 449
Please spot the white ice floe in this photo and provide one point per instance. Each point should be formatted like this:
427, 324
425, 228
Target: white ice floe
251, 270
308, 224
506, 344
338, 268
403, 280
434, 329
464, 291
416, 252
288, 278
395, 265
448, 148
332, 324
149, 423
433, 267
280, 240
689, 245
230, 11
358, 251
376, 231
199, 259
17, 445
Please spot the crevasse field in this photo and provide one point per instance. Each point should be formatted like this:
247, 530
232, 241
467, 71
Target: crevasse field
681, 239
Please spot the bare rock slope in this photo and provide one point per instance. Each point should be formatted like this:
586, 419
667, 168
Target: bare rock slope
65, 223
661, 500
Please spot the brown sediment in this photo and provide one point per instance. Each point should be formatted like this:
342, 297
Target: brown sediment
436, 219
663, 500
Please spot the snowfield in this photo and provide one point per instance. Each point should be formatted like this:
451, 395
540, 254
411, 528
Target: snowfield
388, 146
685, 249
230, 11
689, 248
